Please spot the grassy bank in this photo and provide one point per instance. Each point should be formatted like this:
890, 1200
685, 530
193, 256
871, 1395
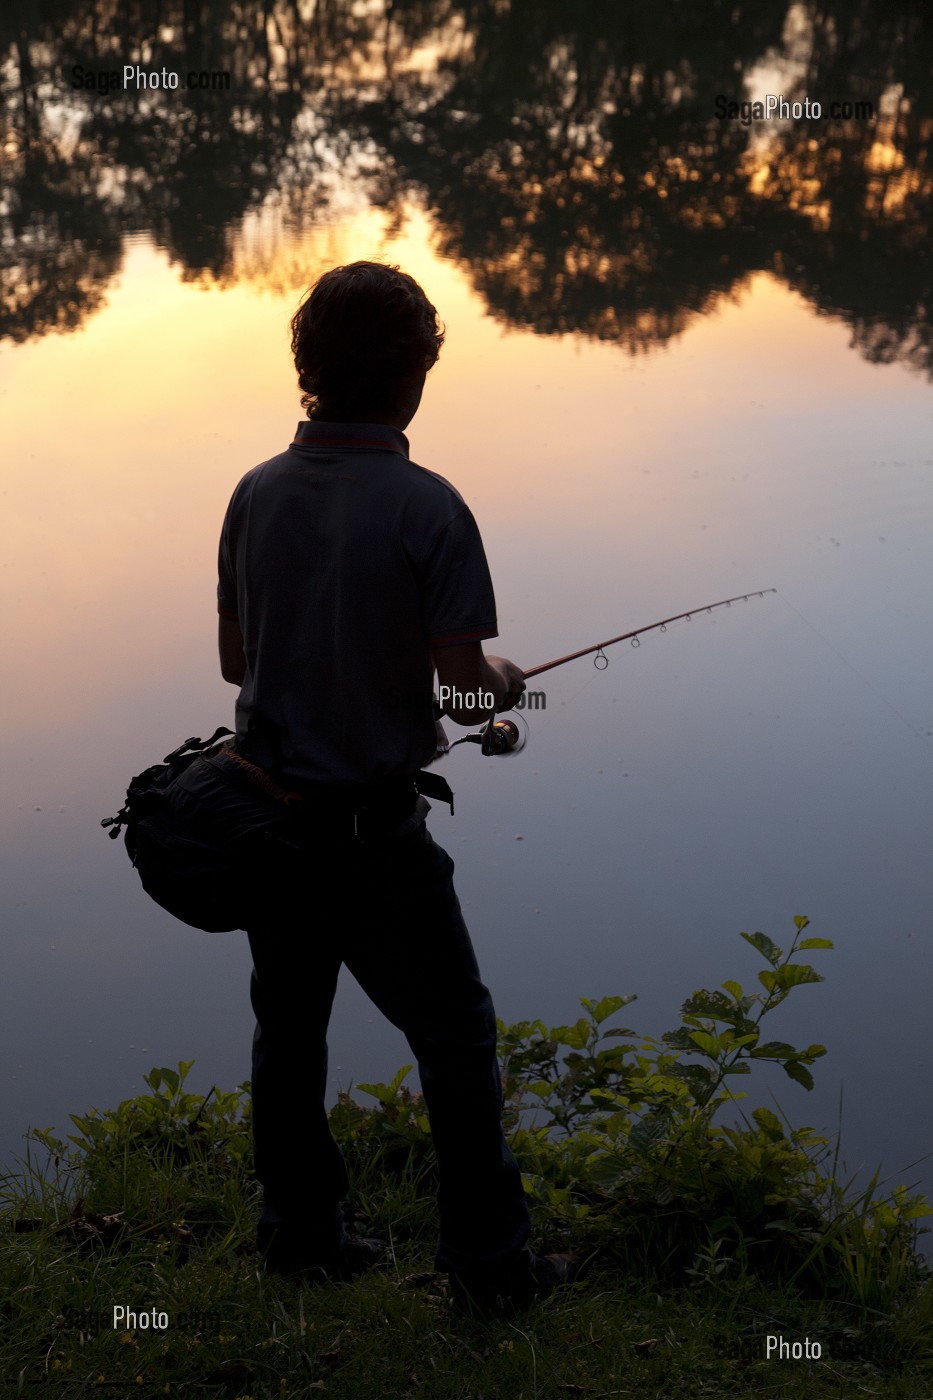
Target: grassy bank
703, 1241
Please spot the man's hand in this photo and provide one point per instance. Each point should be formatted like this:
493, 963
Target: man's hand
230, 644
441, 743
513, 681
463, 671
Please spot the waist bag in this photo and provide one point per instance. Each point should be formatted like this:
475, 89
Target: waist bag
208, 834
212, 835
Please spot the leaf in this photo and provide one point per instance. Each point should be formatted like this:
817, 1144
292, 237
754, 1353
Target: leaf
815, 943
693, 1074
795, 974
698, 1079
734, 989
801, 921
399, 1078
607, 1006
577, 1036
609, 1170
766, 948
647, 1131
386, 1093
772, 1050
708, 1044
680, 1039
746, 1028
769, 1123
795, 1070
378, 1091
714, 1004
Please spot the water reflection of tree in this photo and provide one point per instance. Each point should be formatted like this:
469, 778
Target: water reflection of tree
574, 166
571, 158
870, 200
59, 250
588, 188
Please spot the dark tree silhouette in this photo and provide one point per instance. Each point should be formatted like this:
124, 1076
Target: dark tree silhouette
571, 156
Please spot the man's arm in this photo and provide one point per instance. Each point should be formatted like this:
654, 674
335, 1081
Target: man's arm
232, 656
464, 671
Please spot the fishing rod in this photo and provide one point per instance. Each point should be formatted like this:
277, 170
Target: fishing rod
636, 632
504, 736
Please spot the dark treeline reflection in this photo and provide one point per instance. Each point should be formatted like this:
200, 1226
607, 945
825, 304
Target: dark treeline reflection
571, 156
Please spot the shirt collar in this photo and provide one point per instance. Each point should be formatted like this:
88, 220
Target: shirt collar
351, 437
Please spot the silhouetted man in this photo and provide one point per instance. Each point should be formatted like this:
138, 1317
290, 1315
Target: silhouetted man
348, 574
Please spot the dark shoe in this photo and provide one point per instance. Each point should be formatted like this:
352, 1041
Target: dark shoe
526, 1279
353, 1257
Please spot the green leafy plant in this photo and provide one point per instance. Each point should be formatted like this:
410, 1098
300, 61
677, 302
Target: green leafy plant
622, 1139
178, 1128
170, 1167
617, 1136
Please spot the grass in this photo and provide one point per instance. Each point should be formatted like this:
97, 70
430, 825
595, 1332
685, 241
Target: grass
232, 1331
163, 1220
702, 1242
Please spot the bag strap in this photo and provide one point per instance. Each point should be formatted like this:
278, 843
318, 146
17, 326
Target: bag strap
190, 747
433, 785
197, 745
427, 784
259, 776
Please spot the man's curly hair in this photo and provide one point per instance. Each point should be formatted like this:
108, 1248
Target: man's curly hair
360, 334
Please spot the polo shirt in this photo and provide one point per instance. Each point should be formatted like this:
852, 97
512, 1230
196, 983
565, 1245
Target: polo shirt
345, 563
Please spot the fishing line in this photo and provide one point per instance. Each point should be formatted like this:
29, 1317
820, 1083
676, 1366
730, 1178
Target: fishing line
864, 679
543, 719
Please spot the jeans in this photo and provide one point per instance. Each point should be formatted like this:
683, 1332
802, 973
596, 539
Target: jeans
388, 910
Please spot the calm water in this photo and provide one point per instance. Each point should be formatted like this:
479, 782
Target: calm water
686, 358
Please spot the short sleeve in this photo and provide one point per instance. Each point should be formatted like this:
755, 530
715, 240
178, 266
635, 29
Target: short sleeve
458, 599
226, 571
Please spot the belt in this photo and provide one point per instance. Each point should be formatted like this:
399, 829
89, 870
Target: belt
355, 809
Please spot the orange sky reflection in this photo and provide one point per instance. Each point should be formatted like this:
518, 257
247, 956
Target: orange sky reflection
125, 440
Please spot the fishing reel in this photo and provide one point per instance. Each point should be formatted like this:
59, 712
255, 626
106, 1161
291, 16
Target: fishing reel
499, 737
